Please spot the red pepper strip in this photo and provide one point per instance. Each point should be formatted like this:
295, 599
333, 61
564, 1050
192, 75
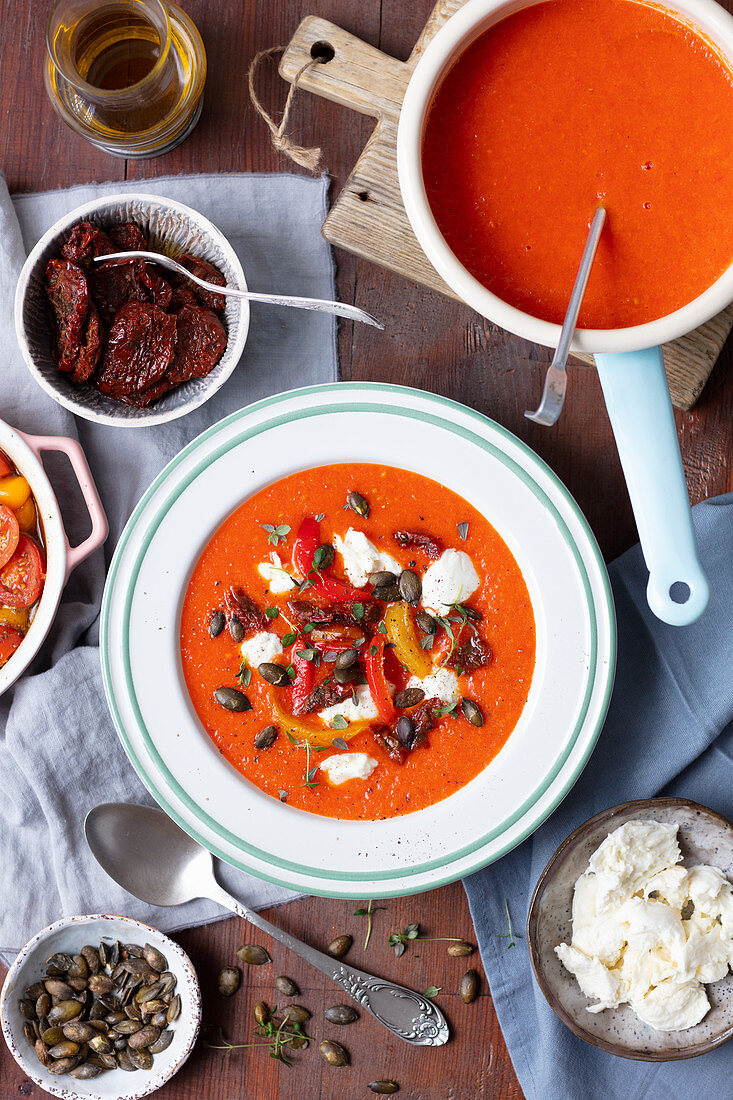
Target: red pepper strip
377, 680
307, 542
334, 645
305, 674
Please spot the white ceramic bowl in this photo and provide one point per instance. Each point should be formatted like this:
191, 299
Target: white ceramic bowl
530, 509
451, 41
61, 558
173, 229
70, 934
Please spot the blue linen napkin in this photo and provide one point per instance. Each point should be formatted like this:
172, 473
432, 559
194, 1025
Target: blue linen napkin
59, 753
669, 731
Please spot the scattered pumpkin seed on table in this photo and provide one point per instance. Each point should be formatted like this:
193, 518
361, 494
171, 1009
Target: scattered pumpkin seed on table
460, 950
333, 1053
253, 954
340, 946
286, 986
469, 987
228, 980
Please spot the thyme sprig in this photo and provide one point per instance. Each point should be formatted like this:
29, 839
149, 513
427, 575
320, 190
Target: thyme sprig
245, 673
400, 940
368, 913
276, 532
510, 935
278, 1036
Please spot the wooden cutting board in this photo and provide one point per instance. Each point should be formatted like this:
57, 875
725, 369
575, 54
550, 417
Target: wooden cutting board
368, 217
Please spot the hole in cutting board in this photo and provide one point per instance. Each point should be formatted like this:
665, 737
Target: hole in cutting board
323, 52
679, 592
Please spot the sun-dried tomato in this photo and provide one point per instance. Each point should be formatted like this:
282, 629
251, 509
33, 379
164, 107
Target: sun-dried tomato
128, 237
303, 611
86, 241
76, 336
423, 719
140, 348
202, 341
471, 651
244, 607
116, 283
419, 540
325, 695
182, 296
387, 740
202, 269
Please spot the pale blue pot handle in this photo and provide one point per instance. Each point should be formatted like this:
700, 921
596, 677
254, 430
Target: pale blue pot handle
637, 398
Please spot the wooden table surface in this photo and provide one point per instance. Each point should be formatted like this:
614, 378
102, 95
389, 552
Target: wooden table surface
431, 343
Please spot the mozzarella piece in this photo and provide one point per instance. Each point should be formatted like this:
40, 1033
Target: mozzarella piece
358, 710
631, 943
260, 648
347, 765
451, 579
276, 575
361, 557
441, 684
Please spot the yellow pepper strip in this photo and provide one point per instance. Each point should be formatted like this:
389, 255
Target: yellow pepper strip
402, 633
305, 731
26, 515
14, 490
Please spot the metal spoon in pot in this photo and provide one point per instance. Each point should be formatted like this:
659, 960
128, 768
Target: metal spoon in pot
319, 305
556, 379
147, 854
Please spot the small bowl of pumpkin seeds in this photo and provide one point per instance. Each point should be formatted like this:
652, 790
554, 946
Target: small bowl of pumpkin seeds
101, 1008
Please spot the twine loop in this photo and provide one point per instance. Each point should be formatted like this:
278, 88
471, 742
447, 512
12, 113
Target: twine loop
305, 157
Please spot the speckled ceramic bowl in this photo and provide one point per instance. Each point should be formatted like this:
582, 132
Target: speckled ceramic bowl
70, 935
704, 837
173, 229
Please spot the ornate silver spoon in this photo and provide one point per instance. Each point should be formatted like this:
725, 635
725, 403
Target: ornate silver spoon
319, 305
147, 854
556, 379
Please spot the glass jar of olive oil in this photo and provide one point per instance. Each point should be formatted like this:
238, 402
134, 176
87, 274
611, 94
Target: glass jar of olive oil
127, 75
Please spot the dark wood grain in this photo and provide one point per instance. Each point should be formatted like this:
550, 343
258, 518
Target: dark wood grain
430, 343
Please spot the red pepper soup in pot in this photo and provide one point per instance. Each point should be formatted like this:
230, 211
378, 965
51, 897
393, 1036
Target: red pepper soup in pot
358, 641
569, 104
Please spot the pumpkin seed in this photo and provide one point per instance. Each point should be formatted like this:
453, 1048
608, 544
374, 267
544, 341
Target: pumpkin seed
472, 711
406, 732
27, 1008
163, 1041
426, 622
79, 985
236, 629
123, 1061
58, 964
410, 586
217, 624
79, 967
42, 1006
341, 1014
231, 699
297, 1014
340, 946
92, 957
228, 981
384, 1088
143, 1038
65, 1049
299, 1042
85, 1072
347, 658
383, 578
359, 504
142, 1059
333, 1053
324, 555
126, 1027
346, 675
160, 1019
65, 1064
79, 1031
64, 1011
42, 1053
274, 674
29, 1030
100, 983
155, 959
286, 986
174, 1009
469, 987
388, 593
100, 1044
253, 954
460, 950
409, 697
266, 737
262, 1013
33, 992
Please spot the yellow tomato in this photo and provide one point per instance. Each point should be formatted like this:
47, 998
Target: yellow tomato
15, 616
402, 633
305, 731
14, 491
26, 515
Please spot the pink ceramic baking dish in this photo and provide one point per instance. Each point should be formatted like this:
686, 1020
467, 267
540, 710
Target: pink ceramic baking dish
25, 452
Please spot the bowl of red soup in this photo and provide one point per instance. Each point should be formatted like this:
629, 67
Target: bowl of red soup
357, 640
519, 121
36, 557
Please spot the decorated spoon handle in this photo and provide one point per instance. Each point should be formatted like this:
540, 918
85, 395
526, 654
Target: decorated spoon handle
402, 1011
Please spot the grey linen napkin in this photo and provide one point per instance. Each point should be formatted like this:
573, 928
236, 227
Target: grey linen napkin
59, 754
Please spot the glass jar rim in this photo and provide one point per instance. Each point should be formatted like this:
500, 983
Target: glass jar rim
110, 94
